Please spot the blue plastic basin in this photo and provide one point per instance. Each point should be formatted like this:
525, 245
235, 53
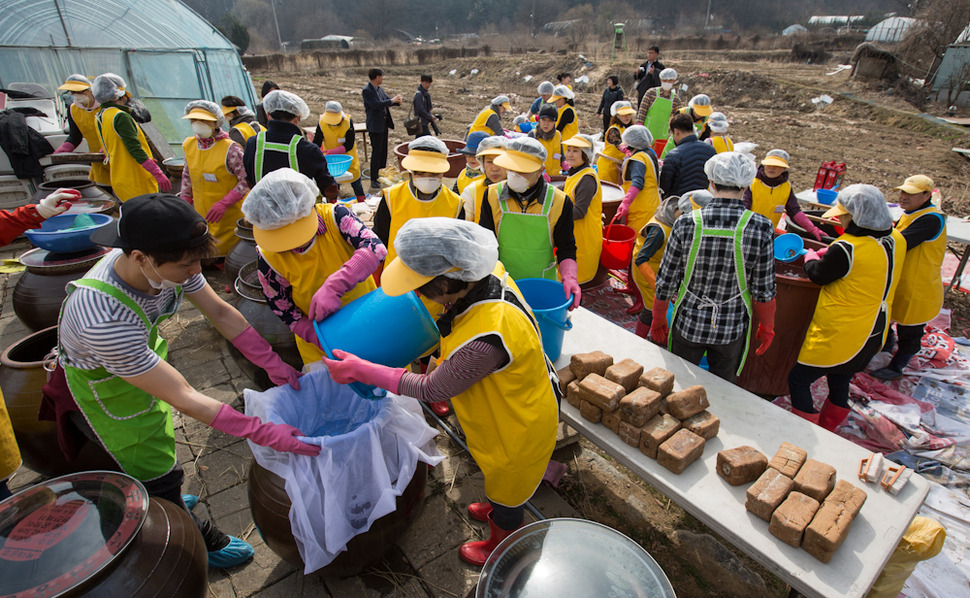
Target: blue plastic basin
338, 164
789, 247
55, 234
826, 196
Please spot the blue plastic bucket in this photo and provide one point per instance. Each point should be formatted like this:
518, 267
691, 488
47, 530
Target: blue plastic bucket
391, 331
789, 247
551, 307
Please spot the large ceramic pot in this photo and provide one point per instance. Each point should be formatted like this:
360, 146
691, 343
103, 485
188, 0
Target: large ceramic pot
827, 229
270, 508
99, 534
41, 289
22, 378
251, 303
794, 307
94, 199
456, 161
243, 253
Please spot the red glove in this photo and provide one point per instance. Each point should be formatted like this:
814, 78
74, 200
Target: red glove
337, 150
327, 298
164, 185
766, 324
569, 271
257, 350
810, 255
281, 437
64, 148
658, 327
351, 368
218, 209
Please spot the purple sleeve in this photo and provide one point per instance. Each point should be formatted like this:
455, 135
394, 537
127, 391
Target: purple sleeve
791, 206
279, 294
469, 364
356, 232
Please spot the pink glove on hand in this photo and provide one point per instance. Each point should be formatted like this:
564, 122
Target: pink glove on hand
810, 255
546, 177
337, 150
188, 199
569, 272
802, 220
164, 185
218, 209
281, 437
304, 329
658, 327
624, 208
257, 350
351, 368
64, 148
327, 298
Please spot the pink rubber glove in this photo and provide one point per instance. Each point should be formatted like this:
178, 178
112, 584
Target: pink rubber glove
810, 255
821, 252
568, 271
337, 150
658, 327
624, 208
351, 368
327, 298
64, 148
257, 350
565, 166
304, 329
164, 185
218, 209
281, 437
546, 177
626, 149
802, 220
188, 199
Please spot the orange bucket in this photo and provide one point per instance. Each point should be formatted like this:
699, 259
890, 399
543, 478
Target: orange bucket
618, 241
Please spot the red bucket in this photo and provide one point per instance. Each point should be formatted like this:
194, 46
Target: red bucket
618, 241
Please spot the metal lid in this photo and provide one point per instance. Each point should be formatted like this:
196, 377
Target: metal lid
571, 557
43, 261
61, 533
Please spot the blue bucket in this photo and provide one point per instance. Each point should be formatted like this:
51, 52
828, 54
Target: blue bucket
789, 247
826, 196
550, 306
391, 331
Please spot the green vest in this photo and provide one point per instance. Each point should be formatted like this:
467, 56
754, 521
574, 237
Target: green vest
525, 243
135, 427
262, 145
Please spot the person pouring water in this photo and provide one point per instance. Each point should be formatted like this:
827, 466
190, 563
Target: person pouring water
504, 390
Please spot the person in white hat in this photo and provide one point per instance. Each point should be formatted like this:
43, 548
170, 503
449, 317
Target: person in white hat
699, 109
133, 171
610, 160
214, 178
473, 196
335, 136
242, 121
81, 121
584, 188
658, 104
568, 122
545, 90
859, 274
719, 140
489, 120
505, 389
771, 195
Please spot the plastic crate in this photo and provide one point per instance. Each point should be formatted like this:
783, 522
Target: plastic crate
14, 192
66, 171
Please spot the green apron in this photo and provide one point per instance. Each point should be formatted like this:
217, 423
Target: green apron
135, 427
699, 232
262, 145
658, 118
525, 242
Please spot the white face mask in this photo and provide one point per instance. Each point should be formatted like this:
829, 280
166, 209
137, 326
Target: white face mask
427, 184
517, 182
201, 130
164, 284
83, 101
666, 86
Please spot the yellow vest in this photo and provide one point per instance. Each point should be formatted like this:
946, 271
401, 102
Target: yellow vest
9, 451
553, 149
307, 272
589, 229
769, 201
510, 416
334, 135
86, 121
479, 123
211, 181
919, 296
572, 129
464, 180
648, 291
722, 143
128, 178
847, 309
646, 202
248, 130
611, 160
478, 189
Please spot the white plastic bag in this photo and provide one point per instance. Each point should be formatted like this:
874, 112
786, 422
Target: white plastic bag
369, 452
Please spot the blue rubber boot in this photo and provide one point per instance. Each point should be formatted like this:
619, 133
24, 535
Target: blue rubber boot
190, 501
235, 553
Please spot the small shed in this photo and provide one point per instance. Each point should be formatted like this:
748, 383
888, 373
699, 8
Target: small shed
891, 30
870, 62
952, 81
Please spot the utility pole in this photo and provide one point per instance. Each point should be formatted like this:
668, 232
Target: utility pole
277, 21
707, 20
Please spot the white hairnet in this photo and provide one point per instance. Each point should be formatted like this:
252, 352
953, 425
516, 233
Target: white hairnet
588, 151
617, 105
730, 169
499, 100
435, 246
563, 92
668, 74
638, 137
867, 205
492, 142
281, 197
287, 102
701, 197
210, 107
546, 87
333, 107
718, 122
108, 88
79, 78
429, 143
527, 145
700, 99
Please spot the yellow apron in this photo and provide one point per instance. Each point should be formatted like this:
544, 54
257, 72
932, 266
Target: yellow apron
479, 123
847, 309
769, 201
334, 135
919, 296
128, 178
307, 272
722, 143
464, 179
611, 160
404, 206
648, 291
572, 129
211, 181
588, 230
647, 201
478, 188
510, 416
553, 149
248, 130
9, 451
86, 121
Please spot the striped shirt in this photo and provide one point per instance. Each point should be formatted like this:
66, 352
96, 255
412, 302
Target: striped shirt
97, 330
